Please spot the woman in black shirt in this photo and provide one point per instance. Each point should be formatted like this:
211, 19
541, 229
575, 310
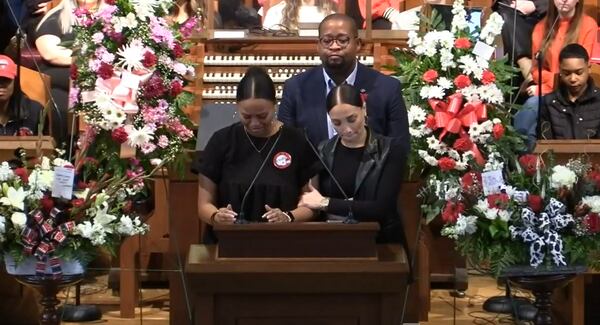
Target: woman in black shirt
368, 169
258, 145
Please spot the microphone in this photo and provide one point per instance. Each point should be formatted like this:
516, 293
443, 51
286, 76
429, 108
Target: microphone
241, 215
350, 216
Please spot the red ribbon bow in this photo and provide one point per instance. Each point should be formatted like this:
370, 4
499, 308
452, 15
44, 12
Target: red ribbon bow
453, 117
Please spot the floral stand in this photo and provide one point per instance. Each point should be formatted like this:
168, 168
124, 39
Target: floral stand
542, 283
47, 285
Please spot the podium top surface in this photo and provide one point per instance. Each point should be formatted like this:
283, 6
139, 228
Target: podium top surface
204, 259
298, 226
568, 146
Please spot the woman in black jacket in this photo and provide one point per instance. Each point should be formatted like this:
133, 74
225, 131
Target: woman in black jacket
367, 169
572, 111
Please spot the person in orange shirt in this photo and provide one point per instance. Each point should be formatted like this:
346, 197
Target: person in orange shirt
571, 25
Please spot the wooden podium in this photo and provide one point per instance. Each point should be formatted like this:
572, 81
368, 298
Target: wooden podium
31, 144
297, 273
566, 149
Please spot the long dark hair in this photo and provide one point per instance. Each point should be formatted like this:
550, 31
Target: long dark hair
572, 35
344, 94
256, 83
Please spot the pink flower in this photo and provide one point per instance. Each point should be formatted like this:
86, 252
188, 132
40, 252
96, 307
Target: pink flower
97, 37
163, 141
148, 147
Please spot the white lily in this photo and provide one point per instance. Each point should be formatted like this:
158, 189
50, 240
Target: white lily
14, 197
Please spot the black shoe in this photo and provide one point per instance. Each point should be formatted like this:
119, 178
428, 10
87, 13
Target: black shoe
80, 313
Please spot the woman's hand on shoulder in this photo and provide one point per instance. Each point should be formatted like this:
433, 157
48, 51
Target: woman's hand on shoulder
224, 215
311, 199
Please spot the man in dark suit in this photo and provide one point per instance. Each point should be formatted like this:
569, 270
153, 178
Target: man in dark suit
303, 102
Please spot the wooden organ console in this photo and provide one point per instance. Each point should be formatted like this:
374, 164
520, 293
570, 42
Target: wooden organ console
221, 63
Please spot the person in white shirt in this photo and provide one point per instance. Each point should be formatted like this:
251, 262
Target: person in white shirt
289, 13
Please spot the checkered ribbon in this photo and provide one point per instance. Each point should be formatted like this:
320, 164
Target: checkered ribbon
540, 231
42, 236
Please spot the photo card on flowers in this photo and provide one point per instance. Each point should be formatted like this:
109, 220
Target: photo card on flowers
492, 181
483, 50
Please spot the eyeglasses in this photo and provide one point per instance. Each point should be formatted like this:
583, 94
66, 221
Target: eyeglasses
342, 41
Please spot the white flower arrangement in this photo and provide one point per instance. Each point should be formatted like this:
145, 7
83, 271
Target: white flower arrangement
593, 202
562, 176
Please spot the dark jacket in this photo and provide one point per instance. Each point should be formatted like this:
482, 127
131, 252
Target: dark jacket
376, 187
303, 104
560, 118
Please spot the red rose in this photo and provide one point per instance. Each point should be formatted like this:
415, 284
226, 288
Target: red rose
451, 211
462, 43
105, 71
149, 59
77, 202
110, 2
498, 131
499, 200
535, 202
470, 180
594, 176
529, 164
462, 81
592, 221
446, 164
176, 88
178, 50
74, 73
488, 77
119, 135
47, 203
22, 173
430, 76
463, 144
430, 122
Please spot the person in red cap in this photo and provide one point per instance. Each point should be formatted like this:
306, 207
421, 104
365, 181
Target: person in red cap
14, 120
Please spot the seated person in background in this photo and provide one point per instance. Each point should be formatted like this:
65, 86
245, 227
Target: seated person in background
572, 111
528, 14
15, 120
368, 169
183, 10
54, 29
259, 151
572, 26
287, 14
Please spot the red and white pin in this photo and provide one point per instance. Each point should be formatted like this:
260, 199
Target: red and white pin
282, 160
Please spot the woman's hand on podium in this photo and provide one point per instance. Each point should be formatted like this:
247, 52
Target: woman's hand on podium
224, 215
275, 215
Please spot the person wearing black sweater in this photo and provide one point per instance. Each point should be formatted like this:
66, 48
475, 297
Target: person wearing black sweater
573, 110
369, 168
